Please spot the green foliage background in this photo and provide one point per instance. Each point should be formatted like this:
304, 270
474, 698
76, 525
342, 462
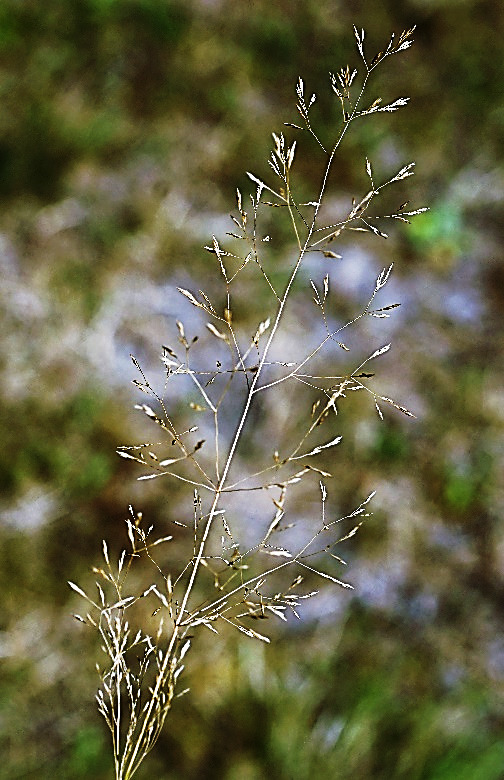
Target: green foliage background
125, 127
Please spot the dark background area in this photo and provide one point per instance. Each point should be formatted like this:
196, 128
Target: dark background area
125, 128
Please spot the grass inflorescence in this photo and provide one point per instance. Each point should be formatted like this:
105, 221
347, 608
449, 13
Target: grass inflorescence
265, 571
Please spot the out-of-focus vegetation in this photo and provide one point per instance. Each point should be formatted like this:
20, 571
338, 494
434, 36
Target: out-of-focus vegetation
125, 126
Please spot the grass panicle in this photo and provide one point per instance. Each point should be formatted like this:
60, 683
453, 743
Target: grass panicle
247, 574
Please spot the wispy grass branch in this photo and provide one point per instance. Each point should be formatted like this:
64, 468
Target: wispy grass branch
141, 670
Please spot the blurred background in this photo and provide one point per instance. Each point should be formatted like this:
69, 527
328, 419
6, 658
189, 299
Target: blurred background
125, 127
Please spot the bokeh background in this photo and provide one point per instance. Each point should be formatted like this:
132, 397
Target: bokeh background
125, 127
